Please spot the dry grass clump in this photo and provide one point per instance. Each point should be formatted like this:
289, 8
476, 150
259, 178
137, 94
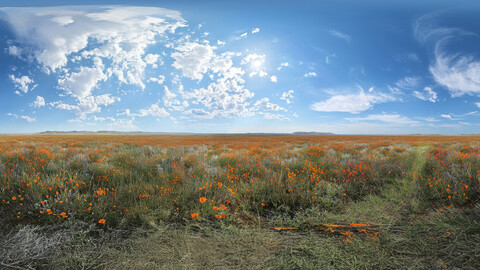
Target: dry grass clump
30, 247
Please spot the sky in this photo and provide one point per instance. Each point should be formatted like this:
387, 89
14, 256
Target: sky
346, 67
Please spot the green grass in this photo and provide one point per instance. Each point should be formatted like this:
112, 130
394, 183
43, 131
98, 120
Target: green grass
157, 232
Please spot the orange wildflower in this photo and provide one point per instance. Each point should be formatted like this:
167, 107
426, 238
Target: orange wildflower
14, 198
203, 199
220, 216
359, 225
215, 208
195, 215
102, 221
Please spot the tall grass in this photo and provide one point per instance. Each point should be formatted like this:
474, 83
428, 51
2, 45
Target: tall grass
71, 202
117, 183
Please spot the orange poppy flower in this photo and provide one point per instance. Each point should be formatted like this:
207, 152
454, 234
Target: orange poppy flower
102, 221
203, 199
195, 215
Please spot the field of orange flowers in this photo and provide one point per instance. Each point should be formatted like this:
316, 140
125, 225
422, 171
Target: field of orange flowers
110, 180
276, 201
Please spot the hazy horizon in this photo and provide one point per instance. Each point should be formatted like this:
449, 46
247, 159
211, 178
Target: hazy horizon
223, 67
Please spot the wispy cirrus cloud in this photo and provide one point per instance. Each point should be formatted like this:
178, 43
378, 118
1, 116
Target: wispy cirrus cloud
387, 118
426, 95
413, 83
456, 70
452, 116
352, 103
407, 57
459, 74
340, 35
409, 82
447, 116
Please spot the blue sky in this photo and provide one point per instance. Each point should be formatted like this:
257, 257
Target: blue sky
348, 67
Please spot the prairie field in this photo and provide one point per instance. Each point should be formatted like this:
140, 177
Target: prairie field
109, 201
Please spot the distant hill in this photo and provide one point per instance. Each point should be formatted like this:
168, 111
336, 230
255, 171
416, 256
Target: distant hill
111, 132
166, 133
312, 133
88, 132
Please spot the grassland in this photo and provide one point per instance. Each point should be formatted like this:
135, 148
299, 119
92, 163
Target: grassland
239, 202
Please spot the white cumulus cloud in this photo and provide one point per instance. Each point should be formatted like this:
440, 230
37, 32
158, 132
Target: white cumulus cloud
170, 101
86, 105
24, 117
28, 118
73, 42
160, 79
255, 60
287, 96
447, 116
71, 29
14, 50
310, 74
282, 65
22, 83
87, 49
153, 110
80, 84
39, 102
152, 59
264, 104
193, 59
